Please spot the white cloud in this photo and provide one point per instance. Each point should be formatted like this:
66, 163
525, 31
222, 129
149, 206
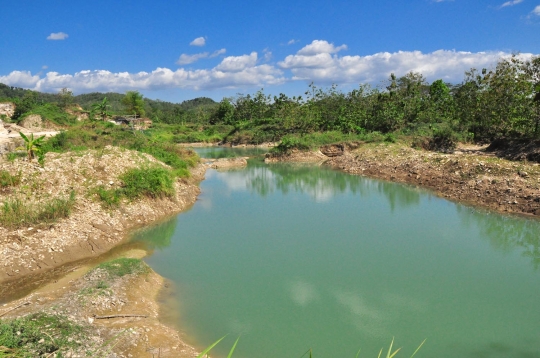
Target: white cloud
511, 3
536, 11
237, 63
320, 46
186, 59
328, 68
217, 53
233, 72
199, 41
292, 42
57, 36
319, 62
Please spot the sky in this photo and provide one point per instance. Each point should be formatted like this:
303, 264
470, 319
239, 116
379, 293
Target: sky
183, 49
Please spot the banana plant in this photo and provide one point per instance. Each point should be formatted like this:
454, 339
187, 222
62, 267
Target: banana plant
32, 145
101, 108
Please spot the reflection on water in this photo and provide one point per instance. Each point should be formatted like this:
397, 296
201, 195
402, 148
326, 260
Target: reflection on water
294, 257
506, 233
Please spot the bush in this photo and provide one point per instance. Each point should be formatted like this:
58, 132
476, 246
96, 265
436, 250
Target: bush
152, 182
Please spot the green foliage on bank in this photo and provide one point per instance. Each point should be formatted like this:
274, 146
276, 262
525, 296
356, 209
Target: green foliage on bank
123, 266
39, 335
16, 213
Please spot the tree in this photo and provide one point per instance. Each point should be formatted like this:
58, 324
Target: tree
134, 103
101, 108
65, 97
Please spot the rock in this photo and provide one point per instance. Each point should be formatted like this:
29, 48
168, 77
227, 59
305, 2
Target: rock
523, 174
333, 150
32, 121
7, 109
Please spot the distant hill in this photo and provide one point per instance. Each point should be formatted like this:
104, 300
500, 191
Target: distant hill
157, 110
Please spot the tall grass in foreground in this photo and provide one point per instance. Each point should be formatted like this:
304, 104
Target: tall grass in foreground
16, 213
390, 354
7, 179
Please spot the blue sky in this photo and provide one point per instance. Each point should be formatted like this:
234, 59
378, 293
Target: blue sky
178, 50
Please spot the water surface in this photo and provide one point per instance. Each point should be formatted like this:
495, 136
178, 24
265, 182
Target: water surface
297, 257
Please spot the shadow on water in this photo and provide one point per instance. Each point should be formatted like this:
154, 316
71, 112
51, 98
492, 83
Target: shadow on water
505, 233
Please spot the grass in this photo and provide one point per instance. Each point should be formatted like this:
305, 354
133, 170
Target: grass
121, 267
317, 139
37, 335
16, 213
390, 353
153, 182
7, 179
97, 135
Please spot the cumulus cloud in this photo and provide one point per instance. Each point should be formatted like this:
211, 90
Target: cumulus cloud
511, 3
57, 36
186, 59
324, 66
319, 61
199, 41
320, 46
232, 72
536, 11
237, 63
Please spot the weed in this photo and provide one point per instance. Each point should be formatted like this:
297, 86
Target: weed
16, 213
123, 266
7, 179
39, 335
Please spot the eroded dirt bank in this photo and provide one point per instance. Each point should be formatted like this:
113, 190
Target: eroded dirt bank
469, 175
91, 229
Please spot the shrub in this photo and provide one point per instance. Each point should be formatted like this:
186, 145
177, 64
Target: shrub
152, 182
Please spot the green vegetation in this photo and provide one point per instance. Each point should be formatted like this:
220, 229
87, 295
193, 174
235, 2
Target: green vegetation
16, 213
134, 104
154, 182
123, 266
38, 335
390, 353
32, 146
7, 179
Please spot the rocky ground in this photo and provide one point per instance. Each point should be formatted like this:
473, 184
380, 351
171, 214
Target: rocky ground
91, 229
120, 316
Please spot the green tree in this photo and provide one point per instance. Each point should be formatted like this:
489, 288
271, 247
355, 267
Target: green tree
65, 98
134, 103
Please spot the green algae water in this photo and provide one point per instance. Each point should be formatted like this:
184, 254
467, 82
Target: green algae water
298, 257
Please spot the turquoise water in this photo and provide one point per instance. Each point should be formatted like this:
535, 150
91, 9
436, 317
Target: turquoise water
298, 257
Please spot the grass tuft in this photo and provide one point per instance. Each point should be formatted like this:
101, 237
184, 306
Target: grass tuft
7, 179
38, 335
16, 213
123, 266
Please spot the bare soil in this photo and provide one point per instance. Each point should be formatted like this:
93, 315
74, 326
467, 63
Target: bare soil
469, 175
134, 328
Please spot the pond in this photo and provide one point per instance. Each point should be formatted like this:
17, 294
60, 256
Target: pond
295, 257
